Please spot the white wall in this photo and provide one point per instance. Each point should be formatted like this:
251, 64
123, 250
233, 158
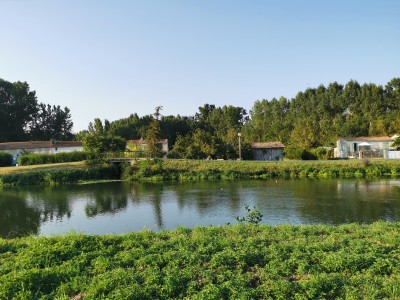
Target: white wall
393, 154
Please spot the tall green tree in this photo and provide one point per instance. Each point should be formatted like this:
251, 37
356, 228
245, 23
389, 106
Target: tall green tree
153, 135
18, 105
100, 140
51, 122
22, 117
200, 145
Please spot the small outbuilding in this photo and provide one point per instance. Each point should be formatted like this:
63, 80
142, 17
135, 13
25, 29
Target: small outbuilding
267, 151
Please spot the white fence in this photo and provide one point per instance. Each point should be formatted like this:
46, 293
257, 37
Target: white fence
393, 154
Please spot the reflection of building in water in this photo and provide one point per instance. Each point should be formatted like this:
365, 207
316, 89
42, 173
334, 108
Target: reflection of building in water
345, 201
365, 187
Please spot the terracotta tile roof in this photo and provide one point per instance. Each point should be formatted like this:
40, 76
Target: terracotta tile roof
267, 145
369, 139
39, 144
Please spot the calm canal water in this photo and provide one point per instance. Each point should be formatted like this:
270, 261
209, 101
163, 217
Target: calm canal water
118, 207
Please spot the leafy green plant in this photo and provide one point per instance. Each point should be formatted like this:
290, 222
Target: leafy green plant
253, 216
243, 261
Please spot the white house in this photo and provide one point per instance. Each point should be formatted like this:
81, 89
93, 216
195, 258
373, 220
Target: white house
373, 146
40, 147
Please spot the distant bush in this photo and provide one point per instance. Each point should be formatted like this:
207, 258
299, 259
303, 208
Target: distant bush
322, 153
299, 154
319, 153
41, 159
6, 159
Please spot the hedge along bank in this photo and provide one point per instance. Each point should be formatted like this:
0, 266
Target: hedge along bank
40, 159
158, 169
183, 170
56, 177
6, 159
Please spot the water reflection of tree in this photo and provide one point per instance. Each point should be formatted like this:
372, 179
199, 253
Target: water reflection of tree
156, 200
209, 196
52, 202
152, 193
17, 218
106, 202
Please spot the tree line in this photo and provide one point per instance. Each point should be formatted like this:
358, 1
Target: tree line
23, 118
319, 116
315, 117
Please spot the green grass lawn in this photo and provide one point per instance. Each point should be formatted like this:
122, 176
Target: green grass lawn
47, 167
231, 262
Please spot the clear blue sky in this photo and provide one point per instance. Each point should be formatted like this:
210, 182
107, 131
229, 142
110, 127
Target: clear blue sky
109, 59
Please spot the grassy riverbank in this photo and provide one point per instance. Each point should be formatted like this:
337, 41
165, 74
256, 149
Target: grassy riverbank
187, 170
46, 167
231, 262
214, 170
55, 174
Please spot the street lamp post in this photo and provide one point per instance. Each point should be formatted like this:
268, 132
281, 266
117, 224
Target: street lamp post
240, 148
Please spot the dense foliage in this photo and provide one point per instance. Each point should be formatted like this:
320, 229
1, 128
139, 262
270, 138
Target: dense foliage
56, 177
214, 170
318, 116
315, 117
6, 159
232, 262
41, 159
396, 143
23, 118
99, 139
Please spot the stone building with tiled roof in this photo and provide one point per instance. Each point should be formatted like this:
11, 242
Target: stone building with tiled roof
267, 150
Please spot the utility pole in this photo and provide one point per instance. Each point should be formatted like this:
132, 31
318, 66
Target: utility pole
240, 147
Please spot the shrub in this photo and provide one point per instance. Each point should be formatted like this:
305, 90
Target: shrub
253, 216
6, 159
321, 153
40, 159
298, 153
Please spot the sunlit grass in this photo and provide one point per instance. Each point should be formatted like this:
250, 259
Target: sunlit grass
232, 262
46, 167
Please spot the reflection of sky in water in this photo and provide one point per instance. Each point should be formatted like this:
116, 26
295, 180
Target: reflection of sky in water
125, 207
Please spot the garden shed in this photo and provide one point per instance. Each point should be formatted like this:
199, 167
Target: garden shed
267, 150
